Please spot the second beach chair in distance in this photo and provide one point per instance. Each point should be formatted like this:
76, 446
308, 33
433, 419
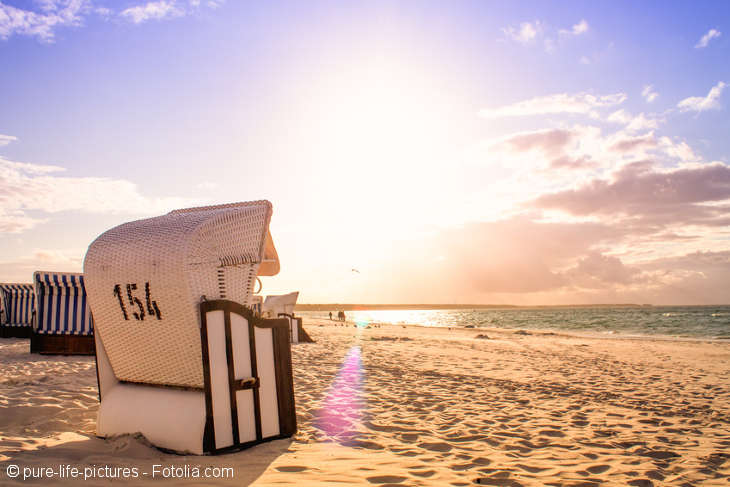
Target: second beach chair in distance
63, 324
181, 357
282, 306
17, 309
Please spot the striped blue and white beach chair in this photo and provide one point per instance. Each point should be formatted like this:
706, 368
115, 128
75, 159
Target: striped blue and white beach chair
63, 323
17, 307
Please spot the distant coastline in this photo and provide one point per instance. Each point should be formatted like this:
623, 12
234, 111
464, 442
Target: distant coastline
367, 307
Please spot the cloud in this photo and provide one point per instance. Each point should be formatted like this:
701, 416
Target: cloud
633, 123
698, 277
580, 103
525, 32
30, 188
22, 268
649, 94
578, 29
43, 21
639, 191
497, 256
701, 104
677, 150
53, 14
152, 11
595, 271
705, 40
551, 141
6, 139
633, 144
567, 162
585, 213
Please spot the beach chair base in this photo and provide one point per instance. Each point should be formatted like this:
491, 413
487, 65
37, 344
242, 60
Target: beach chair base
62, 344
296, 331
15, 331
247, 397
303, 335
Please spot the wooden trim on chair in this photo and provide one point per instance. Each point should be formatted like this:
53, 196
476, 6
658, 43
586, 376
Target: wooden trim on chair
16, 331
60, 344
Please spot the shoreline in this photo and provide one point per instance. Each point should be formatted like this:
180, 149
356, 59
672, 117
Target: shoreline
547, 331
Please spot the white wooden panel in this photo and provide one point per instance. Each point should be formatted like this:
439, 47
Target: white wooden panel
267, 377
242, 370
220, 389
294, 330
241, 348
168, 418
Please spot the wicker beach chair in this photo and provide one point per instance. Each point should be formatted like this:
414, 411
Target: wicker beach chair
63, 323
282, 306
181, 357
17, 308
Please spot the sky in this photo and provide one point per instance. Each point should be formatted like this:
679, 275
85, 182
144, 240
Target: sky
414, 152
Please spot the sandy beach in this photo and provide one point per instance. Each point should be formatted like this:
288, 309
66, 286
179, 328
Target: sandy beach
395, 405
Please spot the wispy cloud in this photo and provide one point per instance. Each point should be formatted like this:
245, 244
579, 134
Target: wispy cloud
21, 268
633, 123
6, 139
41, 24
705, 39
525, 32
578, 29
152, 11
165, 9
581, 103
43, 21
528, 33
27, 188
649, 93
703, 103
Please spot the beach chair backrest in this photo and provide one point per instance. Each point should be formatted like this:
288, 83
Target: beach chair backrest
63, 308
17, 304
283, 303
146, 278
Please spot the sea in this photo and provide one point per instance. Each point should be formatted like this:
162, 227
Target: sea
705, 322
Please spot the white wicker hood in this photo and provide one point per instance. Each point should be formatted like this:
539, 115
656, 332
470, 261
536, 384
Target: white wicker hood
144, 280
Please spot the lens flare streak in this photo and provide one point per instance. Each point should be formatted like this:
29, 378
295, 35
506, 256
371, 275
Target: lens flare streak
342, 409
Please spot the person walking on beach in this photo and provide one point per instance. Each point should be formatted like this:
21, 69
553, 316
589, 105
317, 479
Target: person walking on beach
330, 315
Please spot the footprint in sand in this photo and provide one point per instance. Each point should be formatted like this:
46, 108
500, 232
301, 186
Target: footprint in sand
424, 473
551, 433
292, 468
438, 446
641, 483
386, 479
370, 445
501, 482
